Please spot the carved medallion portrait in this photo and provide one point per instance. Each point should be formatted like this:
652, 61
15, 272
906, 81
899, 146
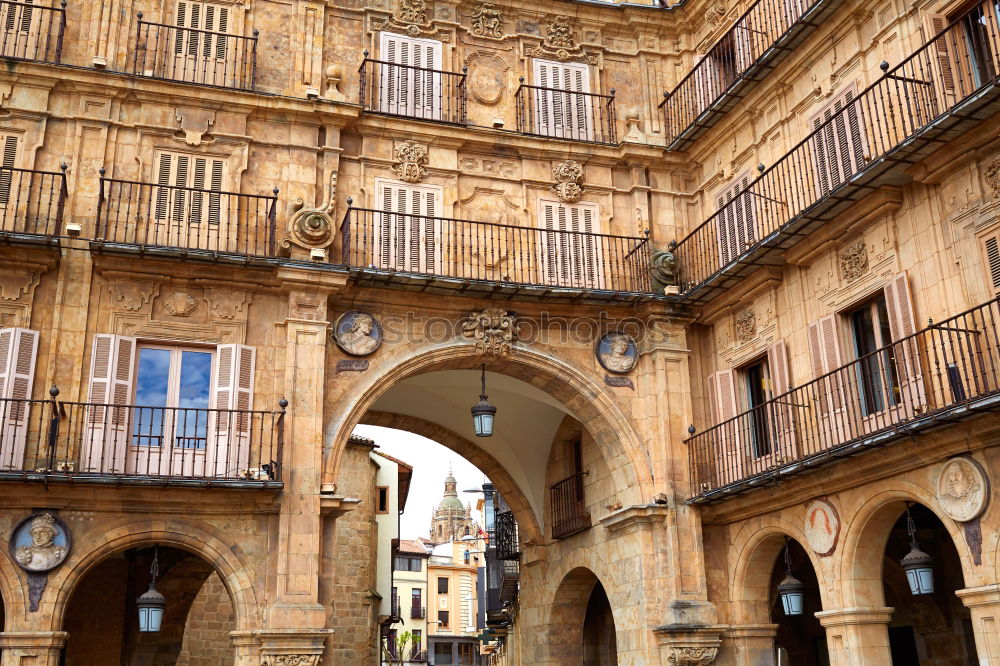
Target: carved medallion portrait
822, 527
358, 333
963, 489
617, 352
40, 543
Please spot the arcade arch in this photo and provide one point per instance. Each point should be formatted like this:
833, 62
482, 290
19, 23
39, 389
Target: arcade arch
581, 622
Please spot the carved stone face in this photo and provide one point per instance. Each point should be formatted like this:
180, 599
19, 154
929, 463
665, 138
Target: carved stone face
42, 536
958, 482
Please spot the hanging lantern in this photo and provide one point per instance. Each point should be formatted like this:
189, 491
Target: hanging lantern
152, 603
918, 565
483, 413
790, 589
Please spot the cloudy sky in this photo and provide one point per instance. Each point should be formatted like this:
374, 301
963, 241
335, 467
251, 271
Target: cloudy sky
430, 463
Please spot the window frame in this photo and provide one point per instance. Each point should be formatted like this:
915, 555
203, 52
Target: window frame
382, 499
873, 365
444, 618
443, 581
759, 442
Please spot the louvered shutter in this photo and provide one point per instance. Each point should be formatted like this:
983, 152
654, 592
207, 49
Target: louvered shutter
112, 369
906, 352
991, 249
9, 161
947, 63
406, 86
18, 349
838, 142
571, 254
829, 394
557, 113
408, 229
781, 414
729, 457
184, 174
736, 220
230, 428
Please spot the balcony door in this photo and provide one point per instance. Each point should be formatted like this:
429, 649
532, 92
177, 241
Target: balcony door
409, 76
22, 30
736, 220
189, 209
570, 251
18, 348
560, 100
200, 44
408, 230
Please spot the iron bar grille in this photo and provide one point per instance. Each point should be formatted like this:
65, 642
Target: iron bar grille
507, 544
414, 92
91, 439
482, 251
889, 125
417, 612
707, 91
32, 202
31, 32
205, 57
566, 114
569, 511
149, 215
951, 366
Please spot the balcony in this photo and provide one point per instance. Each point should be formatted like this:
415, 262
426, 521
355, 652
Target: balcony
413, 92
390, 247
204, 57
941, 91
569, 511
566, 114
31, 204
167, 220
760, 39
507, 544
31, 32
510, 578
417, 612
943, 373
52, 440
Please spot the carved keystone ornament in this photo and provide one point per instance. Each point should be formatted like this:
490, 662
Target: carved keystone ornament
411, 161
569, 180
493, 330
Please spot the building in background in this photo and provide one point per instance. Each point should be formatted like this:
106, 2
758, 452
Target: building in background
392, 487
409, 597
452, 520
452, 577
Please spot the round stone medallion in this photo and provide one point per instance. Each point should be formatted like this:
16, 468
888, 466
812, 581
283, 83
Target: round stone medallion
963, 489
822, 526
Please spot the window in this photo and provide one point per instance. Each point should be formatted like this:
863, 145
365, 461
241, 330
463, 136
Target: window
18, 349
837, 143
169, 377
978, 30
443, 623
465, 653
442, 586
991, 252
756, 382
408, 564
7, 164
406, 240
444, 653
192, 184
395, 601
416, 600
383, 500
558, 111
200, 39
571, 252
416, 639
407, 84
735, 220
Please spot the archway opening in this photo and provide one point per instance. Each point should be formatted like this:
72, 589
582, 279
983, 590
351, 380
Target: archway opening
800, 639
197, 620
931, 628
600, 645
582, 625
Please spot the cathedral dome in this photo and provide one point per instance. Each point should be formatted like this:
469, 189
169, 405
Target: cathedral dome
451, 503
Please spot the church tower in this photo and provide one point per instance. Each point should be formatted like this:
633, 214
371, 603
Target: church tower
452, 520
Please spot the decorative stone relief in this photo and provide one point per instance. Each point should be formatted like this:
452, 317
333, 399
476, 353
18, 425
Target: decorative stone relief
228, 303
854, 260
413, 11
963, 489
487, 77
132, 296
180, 304
15, 284
692, 656
560, 35
716, 13
195, 124
569, 180
411, 161
493, 330
822, 528
746, 325
358, 333
312, 228
489, 167
617, 352
663, 266
40, 543
487, 21
292, 660
992, 175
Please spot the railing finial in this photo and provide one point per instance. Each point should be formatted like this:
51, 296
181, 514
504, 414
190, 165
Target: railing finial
283, 403
365, 53
64, 166
350, 202
521, 79
691, 429
102, 172
275, 190
760, 167
139, 16
255, 32
54, 391
884, 66
612, 92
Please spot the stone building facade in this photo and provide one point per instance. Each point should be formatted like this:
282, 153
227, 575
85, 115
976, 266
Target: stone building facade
747, 322
451, 520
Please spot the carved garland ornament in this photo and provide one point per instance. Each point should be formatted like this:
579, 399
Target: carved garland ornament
569, 180
411, 161
313, 227
292, 660
559, 35
854, 260
493, 330
692, 656
746, 325
487, 21
992, 176
413, 11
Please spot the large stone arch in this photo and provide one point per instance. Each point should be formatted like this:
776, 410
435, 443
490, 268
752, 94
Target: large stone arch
198, 538
614, 435
563, 635
12, 592
526, 519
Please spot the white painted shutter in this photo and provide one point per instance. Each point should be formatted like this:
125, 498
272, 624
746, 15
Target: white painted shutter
782, 414
9, 161
201, 16
408, 230
18, 350
728, 450
947, 61
902, 324
230, 436
736, 219
405, 90
557, 113
571, 252
106, 436
183, 170
829, 394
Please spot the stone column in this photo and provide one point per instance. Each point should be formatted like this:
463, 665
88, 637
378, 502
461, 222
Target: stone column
749, 645
31, 648
857, 635
984, 603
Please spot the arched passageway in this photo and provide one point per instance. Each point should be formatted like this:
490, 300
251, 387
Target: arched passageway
196, 621
582, 625
800, 638
600, 645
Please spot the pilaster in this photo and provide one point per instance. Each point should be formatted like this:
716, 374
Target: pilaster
984, 604
857, 635
31, 648
752, 644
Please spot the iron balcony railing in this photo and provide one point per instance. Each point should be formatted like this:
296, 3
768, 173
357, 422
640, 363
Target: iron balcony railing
78, 440
205, 57
32, 32
507, 544
417, 612
761, 38
509, 580
32, 202
566, 114
937, 93
569, 510
487, 252
414, 92
949, 369
187, 218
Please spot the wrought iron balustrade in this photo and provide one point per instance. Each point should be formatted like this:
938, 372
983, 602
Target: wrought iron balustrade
480, 251
32, 32
414, 92
509, 580
32, 202
53, 438
759, 39
506, 539
418, 612
569, 510
566, 114
205, 57
186, 218
948, 370
939, 92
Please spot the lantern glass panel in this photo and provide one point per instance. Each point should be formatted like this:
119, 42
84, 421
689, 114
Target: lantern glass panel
792, 603
921, 580
150, 619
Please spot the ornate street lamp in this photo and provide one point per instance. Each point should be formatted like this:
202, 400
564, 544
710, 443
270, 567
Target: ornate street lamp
918, 565
152, 603
790, 589
483, 413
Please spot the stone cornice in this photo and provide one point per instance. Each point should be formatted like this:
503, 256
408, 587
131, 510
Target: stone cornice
637, 515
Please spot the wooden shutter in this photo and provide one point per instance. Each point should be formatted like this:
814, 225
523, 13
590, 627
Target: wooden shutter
18, 350
406, 90
557, 113
829, 395
729, 458
735, 220
902, 324
9, 161
570, 251
948, 62
838, 142
185, 170
407, 231
112, 368
782, 414
991, 250
230, 434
